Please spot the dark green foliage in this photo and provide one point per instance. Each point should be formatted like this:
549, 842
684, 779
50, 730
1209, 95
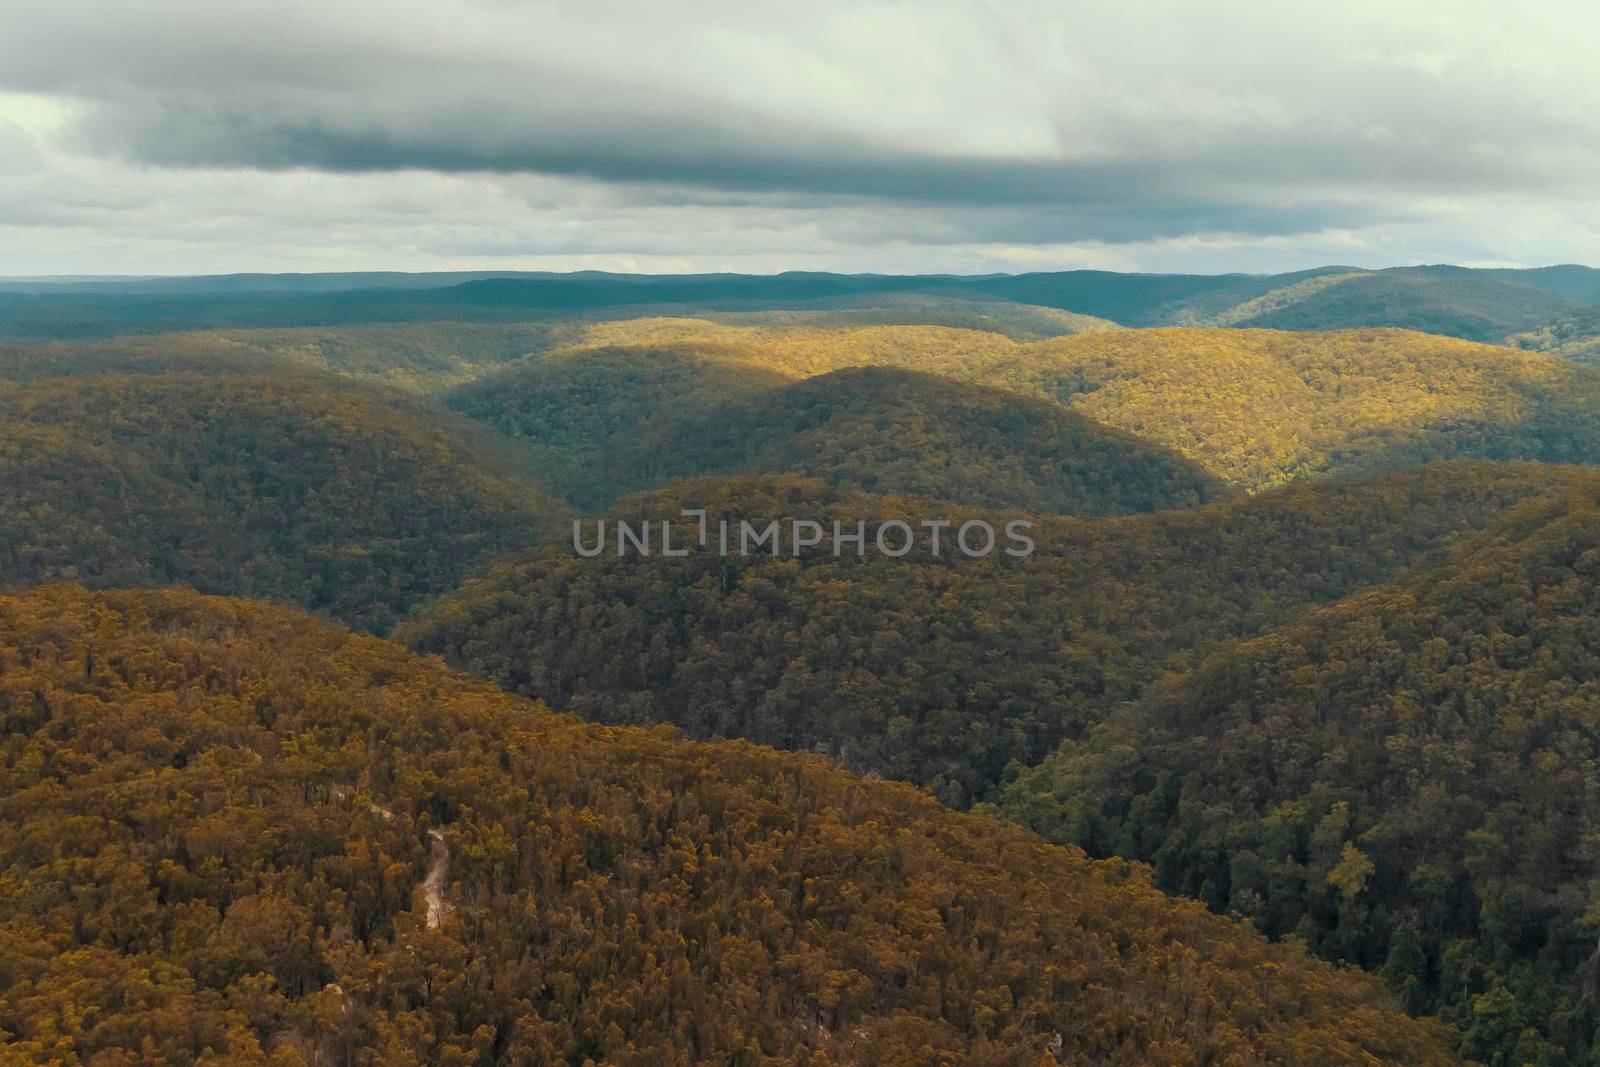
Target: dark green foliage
343, 499
1406, 779
605, 423
1456, 305
942, 671
1575, 337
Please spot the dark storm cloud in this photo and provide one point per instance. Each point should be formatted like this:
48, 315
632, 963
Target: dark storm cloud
934, 122
1001, 199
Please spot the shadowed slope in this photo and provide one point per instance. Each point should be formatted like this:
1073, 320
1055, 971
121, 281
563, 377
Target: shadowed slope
337, 497
1406, 779
608, 422
942, 671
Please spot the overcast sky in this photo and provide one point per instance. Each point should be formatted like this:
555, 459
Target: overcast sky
206, 136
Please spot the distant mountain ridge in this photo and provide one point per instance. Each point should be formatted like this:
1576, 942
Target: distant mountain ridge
1476, 304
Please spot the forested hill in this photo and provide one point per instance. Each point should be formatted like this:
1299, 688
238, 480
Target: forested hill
241, 835
1405, 779
1261, 407
1575, 337
606, 422
415, 357
1453, 303
1254, 408
341, 498
947, 671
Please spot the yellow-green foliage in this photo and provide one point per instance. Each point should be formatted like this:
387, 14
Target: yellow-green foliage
219, 818
297, 487
1259, 407
601, 423
1255, 408
416, 357
803, 351
1020, 322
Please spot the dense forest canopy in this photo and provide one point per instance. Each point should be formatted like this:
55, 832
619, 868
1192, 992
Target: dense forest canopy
431, 357
1468, 306
228, 814
1305, 631
295, 487
946, 672
1575, 337
605, 422
1406, 780
1254, 408
415, 357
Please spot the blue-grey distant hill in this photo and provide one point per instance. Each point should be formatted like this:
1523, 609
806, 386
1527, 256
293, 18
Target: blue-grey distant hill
1477, 304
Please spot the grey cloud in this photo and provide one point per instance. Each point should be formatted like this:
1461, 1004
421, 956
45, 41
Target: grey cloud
936, 123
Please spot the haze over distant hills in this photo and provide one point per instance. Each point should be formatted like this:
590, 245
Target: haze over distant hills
1484, 305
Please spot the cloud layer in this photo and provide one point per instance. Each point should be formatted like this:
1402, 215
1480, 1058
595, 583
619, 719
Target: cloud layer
181, 136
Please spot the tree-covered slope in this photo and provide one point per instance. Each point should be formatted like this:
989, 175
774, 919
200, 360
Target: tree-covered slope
802, 347
607, 422
887, 430
1254, 408
1262, 407
416, 357
1454, 304
604, 422
1406, 779
239, 835
1575, 337
295, 487
941, 671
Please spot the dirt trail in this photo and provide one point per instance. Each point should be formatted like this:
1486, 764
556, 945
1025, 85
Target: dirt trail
438, 871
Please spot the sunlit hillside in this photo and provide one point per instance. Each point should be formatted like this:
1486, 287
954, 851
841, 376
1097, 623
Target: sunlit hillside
601, 423
1254, 408
239, 830
1260, 407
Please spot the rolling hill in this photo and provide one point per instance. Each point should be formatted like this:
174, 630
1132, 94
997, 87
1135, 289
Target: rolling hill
1261, 407
296, 487
602, 423
1405, 779
432, 357
1575, 337
415, 357
1459, 304
241, 833
950, 672
1253, 408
